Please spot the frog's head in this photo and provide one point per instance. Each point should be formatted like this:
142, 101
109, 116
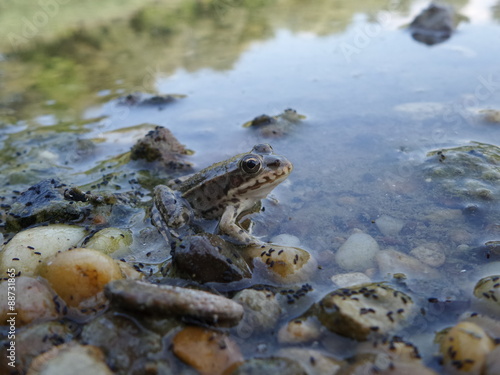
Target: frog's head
258, 172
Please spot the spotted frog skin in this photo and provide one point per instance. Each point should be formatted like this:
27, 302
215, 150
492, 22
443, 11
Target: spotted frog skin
225, 191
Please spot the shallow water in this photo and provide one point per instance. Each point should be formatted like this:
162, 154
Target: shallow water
376, 103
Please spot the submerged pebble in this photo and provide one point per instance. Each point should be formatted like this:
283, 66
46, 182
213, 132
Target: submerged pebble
72, 359
35, 301
343, 280
209, 352
388, 225
357, 253
262, 310
394, 262
166, 300
430, 253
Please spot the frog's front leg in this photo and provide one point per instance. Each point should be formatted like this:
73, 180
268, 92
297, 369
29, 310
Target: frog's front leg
228, 226
170, 210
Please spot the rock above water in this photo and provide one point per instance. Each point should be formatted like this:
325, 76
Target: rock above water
166, 300
359, 311
161, 146
465, 348
357, 253
434, 24
208, 258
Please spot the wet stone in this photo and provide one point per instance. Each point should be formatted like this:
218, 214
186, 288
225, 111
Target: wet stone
275, 126
124, 341
160, 145
193, 253
209, 352
434, 24
262, 310
166, 300
41, 203
143, 99
270, 366
488, 291
360, 311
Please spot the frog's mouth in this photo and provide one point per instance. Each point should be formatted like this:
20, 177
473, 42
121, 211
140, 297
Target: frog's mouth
262, 185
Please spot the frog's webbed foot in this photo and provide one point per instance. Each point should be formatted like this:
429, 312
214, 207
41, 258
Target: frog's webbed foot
170, 210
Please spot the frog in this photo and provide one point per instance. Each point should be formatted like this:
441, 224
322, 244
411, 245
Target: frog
223, 193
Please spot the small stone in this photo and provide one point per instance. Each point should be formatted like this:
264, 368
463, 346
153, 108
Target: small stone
431, 254
34, 301
262, 310
270, 366
357, 253
174, 301
300, 330
349, 279
389, 226
280, 264
357, 312
285, 239
70, 359
392, 262
488, 291
465, 348
111, 240
209, 352
313, 361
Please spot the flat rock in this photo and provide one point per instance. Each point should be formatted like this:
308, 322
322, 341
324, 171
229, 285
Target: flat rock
174, 301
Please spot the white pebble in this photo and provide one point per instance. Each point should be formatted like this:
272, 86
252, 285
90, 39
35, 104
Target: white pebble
357, 253
285, 239
344, 280
389, 226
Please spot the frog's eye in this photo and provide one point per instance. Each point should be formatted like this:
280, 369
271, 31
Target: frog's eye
251, 164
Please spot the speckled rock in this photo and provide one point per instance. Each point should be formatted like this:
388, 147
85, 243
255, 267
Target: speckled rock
167, 300
34, 301
389, 226
488, 291
465, 348
392, 262
469, 172
70, 359
31, 247
343, 280
262, 310
304, 329
387, 357
357, 312
280, 264
430, 253
209, 352
357, 253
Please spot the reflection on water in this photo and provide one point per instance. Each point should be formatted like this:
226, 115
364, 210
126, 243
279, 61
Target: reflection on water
376, 103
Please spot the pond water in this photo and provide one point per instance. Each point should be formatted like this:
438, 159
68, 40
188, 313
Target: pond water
377, 104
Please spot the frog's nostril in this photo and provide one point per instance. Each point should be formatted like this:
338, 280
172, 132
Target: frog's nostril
275, 163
